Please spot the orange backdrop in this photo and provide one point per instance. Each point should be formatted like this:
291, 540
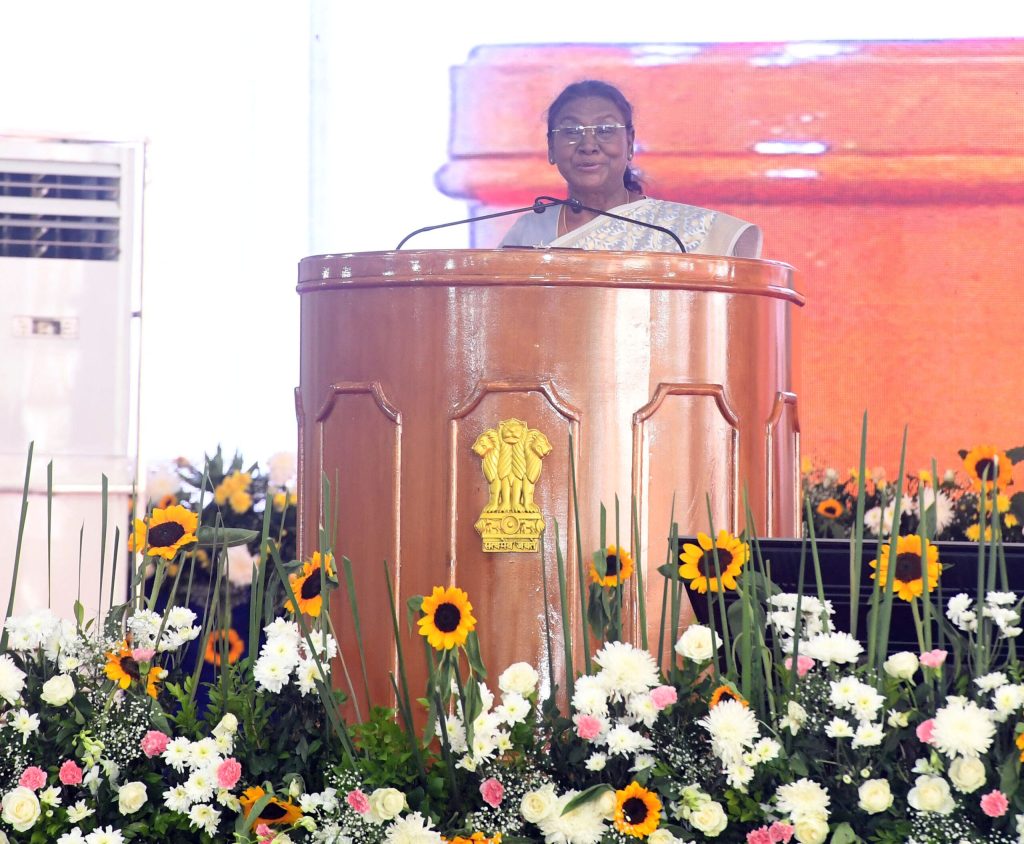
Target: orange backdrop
904, 216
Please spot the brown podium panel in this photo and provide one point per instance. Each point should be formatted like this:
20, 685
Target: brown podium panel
669, 374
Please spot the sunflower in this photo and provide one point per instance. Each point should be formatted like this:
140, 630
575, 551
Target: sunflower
169, 529
476, 838
830, 508
618, 566
987, 458
307, 586
699, 562
166, 501
275, 812
907, 582
124, 670
728, 693
1019, 741
236, 647
447, 618
637, 810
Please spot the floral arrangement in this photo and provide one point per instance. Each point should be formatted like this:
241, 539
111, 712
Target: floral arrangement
951, 503
765, 725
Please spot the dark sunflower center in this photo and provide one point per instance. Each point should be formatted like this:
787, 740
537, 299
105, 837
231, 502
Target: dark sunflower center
165, 534
310, 586
130, 667
447, 618
831, 510
908, 567
273, 812
611, 565
986, 464
634, 810
706, 564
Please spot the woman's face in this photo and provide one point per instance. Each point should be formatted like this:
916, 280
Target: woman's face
591, 166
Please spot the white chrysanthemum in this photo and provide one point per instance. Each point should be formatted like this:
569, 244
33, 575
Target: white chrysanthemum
959, 603
838, 648
767, 750
513, 709
867, 735
733, 729
991, 681
520, 678
79, 811
306, 675
621, 740
866, 703
24, 722
739, 775
412, 829
1008, 699
839, 728
104, 835
583, 825
280, 650
590, 696
178, 753
12, 680
596, 762
844, 690
181, 617
802, 799
204, 817
962, 729
281, 468
271, 675
282, 628
1001, 599
177, 800
325, 646
944, 509
625, 670
200, 786
642, 708
144, 626
794, 719
204, 753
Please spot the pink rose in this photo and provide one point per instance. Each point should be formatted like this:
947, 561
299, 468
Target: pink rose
358, 801
803, 664
994, 804
933, 659
588, 727
154, 743
70, 773
228, 773
780, 833
924, 731
759, 836
492, 791
663, 696
33, 778
143, 654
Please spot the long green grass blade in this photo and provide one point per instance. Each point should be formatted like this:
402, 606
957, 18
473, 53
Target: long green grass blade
563, 596
857, 546
17, 549
638, 563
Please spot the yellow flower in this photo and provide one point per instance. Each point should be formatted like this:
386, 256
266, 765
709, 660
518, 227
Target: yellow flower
637, 810
618, 567
806, 465
925, 477
168, 530
907, 581
475, 838
124, 670
830, 508
236, 647
699, 562
1010, 520
447, 618
307, 586
727, 692
275, 812
235, 482
974, 531
240, 501
988, 458
1002, 503
1020, 745
285, 499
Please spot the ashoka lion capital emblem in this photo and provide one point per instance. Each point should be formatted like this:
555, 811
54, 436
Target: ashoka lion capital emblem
511, 458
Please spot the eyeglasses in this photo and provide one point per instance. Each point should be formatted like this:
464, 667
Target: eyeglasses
603, 134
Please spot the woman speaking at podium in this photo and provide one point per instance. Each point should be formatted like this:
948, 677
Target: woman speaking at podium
590, 141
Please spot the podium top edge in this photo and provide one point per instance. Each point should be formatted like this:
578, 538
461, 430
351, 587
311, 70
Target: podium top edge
550, 267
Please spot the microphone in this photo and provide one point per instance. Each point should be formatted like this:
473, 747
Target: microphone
576, 206
540, 205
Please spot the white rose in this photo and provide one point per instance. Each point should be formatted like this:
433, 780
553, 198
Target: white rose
519, 678
931, 794
967, 773
902, 665
20, 808
537, 805
709, 819
58, 690
131, 797
605, 804
697, 643
227, 726
662, 836
875, 796
812, 829
386, 803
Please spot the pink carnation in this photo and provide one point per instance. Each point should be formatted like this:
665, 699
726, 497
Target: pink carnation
154, 743
588, 727
228, 773
70, 773
780, 833
663, 696
33, 777
143, 654
358, 801
803, 664
492, 791
759, 836
933, 659
924, 730
264, 834
994, 804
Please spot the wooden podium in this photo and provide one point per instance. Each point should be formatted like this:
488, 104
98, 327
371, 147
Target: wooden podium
671, 372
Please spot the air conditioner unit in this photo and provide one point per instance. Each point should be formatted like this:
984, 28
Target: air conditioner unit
70, 293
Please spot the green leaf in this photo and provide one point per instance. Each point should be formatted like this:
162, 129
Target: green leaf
844, 834
225, 537
476, 662
1009, 774
585, 797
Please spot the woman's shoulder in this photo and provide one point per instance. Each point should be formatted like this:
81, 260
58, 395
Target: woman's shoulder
724, 234
532, 229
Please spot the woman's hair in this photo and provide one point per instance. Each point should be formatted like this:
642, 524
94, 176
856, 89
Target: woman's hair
597, 88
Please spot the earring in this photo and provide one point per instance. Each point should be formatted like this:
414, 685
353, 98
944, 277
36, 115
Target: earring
551, 159
629, 155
